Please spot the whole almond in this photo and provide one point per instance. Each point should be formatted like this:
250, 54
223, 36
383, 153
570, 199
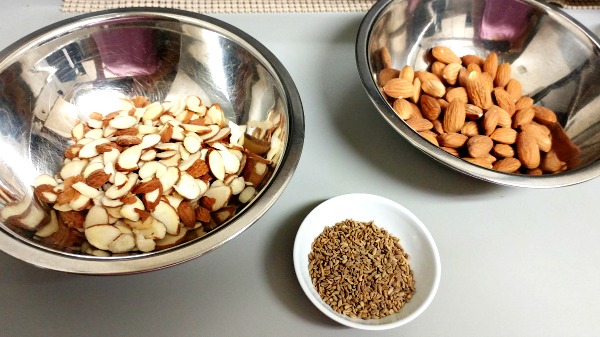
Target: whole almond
535, 172
523, 117
450, 73
508, 165
387, 74
470, 58
550, 162
452, 139
398, 88
407, 72
457, 93
470, 129
438, 127
503, 151
450, 150
523, 102
463, 74
544, 115
416, 111
504, 119
504, 135
504, 100
430, 107
490, 64
419, 124
515, 89
430, 136
488, 81
443, 103
528, 151
478, 146
434, 88
445, 55
437, 68
477, 91
542, 138
416, 90
503, 75
479, 161
490, 121
425, 76
473, 112
402, 108
474, 67
454, 117
186, 214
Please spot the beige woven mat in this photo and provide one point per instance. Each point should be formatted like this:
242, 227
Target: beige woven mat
577, 4
225, 6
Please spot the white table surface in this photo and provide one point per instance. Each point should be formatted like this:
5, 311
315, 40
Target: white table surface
515, 262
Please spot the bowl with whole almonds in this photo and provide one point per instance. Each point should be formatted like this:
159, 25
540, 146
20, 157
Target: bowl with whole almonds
137, 139
504, 91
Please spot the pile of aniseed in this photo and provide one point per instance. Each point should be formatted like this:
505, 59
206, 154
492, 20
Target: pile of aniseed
360, 270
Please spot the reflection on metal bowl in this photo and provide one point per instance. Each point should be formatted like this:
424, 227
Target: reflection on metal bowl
58, 75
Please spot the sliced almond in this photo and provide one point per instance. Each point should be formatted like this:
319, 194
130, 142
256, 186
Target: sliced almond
123, 122
216, 198
167, 215
128, 160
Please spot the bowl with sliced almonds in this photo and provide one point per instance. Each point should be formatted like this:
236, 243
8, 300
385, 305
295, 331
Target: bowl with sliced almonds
137, 139
503, 91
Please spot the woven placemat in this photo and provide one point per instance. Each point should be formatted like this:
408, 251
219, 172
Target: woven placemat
225, 6
577, 4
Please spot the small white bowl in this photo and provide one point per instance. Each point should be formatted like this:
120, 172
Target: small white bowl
415, 239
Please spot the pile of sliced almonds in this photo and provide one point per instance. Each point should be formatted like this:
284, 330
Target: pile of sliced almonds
149, 176
471, 107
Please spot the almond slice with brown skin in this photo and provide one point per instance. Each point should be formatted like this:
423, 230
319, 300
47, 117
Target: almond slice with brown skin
128, 160
122, 244
216, 198
167, 215
153, 112
149, 141
224, 214
216, 164
87, 190
50, 228
192, 143
247, 194
73, 168
115, 192
123, 122
171, 240
44, 179
101, 236
188, 187
97, 215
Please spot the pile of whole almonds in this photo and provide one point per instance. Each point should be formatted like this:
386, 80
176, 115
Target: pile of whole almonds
471, 107
149, 176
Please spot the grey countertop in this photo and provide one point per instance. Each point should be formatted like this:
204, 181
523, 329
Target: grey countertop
515, 262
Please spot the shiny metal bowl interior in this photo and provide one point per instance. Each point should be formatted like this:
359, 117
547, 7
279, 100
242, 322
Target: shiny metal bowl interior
157, 53
556, 60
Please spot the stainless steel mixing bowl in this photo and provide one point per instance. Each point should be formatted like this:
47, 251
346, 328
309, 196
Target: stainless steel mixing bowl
556, 60
157, 53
